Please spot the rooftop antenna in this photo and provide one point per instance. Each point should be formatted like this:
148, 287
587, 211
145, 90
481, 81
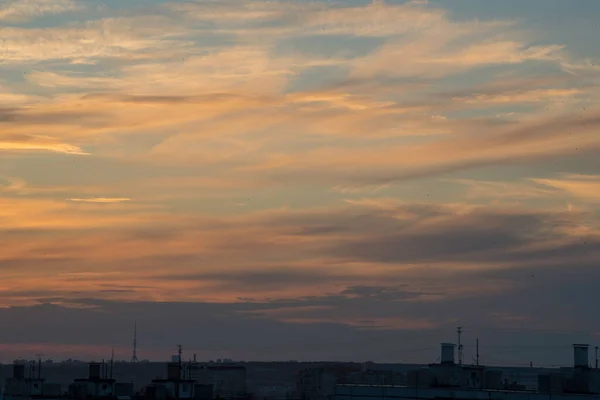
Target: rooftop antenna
112, 361
134, 358
180, 352
477, 356
460, 347
39, 357
596, 357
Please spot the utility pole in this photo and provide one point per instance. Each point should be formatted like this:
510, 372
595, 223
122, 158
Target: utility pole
460, 352
477, 356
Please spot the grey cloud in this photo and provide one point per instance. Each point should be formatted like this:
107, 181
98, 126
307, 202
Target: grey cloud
8, 114
480, 236
21, 263
256, 279
347, 46
380, 292
234, 330
256, 276
377, 235
505, 138
515, 86
138, 99
22, 116
126, 286
172, 99
461, 238
542, 284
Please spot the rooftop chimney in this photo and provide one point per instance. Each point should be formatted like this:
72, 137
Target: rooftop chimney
95, 372
19, 371
173, 371
580, 356
447, 353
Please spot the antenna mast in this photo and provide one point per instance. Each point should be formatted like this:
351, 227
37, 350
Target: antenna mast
134, 358
596, 357
39, 371
460, 347
112, 362
180, 352
477, 356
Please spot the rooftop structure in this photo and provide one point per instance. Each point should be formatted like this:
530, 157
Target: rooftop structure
580, 355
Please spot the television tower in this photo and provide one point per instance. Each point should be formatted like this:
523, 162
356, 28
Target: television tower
134, 358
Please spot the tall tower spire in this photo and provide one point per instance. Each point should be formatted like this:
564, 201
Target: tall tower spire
134, 358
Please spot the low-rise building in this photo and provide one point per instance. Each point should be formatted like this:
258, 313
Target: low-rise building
227, 381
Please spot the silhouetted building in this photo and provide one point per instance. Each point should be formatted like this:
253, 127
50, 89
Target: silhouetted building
228, 381
450, 381
580, 379
96, 386
33, 386
174, 387
319, 383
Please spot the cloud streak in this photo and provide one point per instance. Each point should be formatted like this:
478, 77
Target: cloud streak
22, 10
37, 144
101, 200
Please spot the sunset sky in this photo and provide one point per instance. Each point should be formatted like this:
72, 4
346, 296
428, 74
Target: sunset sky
299, 179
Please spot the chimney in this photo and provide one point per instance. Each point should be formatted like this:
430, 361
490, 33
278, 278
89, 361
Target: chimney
173, 371
447, 353
580, 356
95, 370
19, 371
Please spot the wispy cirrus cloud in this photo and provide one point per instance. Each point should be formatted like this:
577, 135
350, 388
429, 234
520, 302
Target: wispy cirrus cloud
35, 143
100, 200
105, 38
23, 10
586, 187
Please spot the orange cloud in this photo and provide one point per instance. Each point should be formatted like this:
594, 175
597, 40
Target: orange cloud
585, 187
123, 251
101, 200
21, 213
38, 143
